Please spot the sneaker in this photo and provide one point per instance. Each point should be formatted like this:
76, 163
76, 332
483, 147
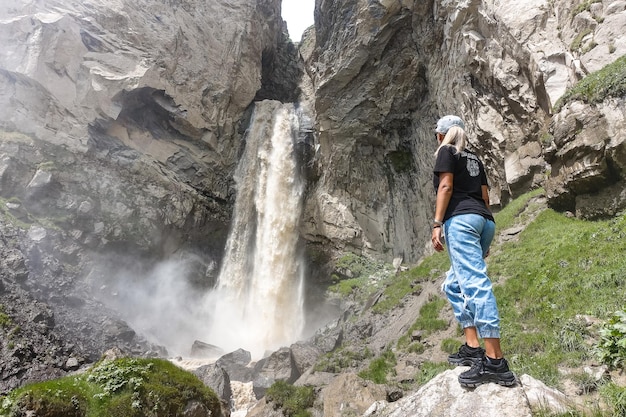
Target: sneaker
484, 371
466, 356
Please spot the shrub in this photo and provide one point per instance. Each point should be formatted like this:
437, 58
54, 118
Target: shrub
612, 345
584, 6
401, 161
358, 275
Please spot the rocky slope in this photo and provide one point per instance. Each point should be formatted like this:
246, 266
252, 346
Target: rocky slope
122, 123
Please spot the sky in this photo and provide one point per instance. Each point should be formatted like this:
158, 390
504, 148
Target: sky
299, 15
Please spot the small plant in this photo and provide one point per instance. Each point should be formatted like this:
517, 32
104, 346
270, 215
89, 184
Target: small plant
401, 161
612, 345
585, 382
546, 139
571, 335
341, 359
450, 345
615, 397
416, 347
380, 367
112, 377
578, 40
5, 320
292, 400
584, 6
429, 370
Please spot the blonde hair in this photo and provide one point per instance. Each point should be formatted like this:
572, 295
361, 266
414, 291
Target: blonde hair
454, 137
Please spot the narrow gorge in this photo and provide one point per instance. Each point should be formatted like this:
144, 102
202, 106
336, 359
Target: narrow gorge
180, 179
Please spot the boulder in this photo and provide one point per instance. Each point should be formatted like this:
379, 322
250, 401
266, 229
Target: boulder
349, 394
443, 396
216, 378
236, 364
279, 366
587, 159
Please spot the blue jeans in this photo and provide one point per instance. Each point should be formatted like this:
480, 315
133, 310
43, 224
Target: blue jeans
467, 285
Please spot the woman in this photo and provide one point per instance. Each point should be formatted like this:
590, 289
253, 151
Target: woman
463, 218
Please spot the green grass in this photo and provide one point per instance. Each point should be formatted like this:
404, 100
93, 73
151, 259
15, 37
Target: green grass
408, 282
450, 346
364, 276
616, 397
518, 210
293, 401
120, 388
428, 321
429, 370
340, 359
609, 81
5, 320
559, 269
578, 39
584, 6
380, 368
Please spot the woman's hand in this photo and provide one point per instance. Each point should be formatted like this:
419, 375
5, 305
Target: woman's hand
437, 239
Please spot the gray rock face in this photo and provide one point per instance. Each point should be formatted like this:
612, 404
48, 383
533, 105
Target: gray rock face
120, 126
443, 396
382, 74
216, 378
587, 158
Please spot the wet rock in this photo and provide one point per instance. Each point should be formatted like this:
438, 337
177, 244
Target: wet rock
279, 366
236, 365
216, 378
205, 350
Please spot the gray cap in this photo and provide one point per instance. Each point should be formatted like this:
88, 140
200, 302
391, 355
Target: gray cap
446, 122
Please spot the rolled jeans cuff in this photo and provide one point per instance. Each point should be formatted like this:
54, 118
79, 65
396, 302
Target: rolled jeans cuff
489, 333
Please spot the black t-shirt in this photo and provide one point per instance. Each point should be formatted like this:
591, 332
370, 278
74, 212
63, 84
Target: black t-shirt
469, 176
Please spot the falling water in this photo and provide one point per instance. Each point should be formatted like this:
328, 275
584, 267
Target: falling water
258, 300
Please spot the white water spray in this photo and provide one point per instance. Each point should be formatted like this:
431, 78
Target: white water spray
258, 300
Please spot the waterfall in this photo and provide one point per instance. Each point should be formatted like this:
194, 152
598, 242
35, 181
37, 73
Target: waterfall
258, 299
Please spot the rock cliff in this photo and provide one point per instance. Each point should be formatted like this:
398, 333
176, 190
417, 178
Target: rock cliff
121, 126
383, 72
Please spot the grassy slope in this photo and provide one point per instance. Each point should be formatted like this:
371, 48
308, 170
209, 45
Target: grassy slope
121, 388
558, 276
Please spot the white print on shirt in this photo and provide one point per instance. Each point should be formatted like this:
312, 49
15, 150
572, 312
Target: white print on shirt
472, 164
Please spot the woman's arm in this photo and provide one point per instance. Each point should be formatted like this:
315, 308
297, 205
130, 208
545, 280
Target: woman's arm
444, 193
485, 192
